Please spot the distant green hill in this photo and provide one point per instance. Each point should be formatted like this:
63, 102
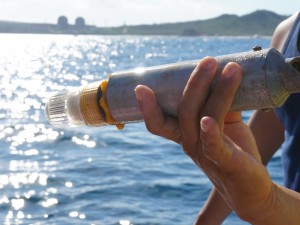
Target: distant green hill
260, 22
257, 23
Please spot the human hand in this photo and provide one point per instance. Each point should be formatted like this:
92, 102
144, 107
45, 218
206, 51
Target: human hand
218, 142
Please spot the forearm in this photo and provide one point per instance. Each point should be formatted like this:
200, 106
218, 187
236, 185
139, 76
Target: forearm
214, 211
287, 207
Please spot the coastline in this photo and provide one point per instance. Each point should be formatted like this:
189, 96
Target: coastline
260, 23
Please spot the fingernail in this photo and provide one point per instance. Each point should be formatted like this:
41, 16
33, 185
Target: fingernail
204, 127
230, 71
138, 95
208, 64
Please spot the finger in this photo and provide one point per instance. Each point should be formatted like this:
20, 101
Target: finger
213, 145
156, 121
194, 98
233, 117
223, 93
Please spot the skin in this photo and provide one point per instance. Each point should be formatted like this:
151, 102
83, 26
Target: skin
222, 145
269, 135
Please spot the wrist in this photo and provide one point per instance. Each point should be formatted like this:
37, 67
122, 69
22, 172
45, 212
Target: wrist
264, 211
281, 207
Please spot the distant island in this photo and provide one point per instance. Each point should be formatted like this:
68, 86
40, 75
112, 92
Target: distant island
261, 22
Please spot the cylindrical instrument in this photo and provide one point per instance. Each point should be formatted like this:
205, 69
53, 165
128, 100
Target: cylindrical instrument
268, 79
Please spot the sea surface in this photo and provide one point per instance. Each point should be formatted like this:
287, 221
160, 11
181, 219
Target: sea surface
95, 175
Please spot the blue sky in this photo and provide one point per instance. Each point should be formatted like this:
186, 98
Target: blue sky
131, 12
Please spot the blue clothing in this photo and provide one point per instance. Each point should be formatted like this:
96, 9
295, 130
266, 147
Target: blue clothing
289, 114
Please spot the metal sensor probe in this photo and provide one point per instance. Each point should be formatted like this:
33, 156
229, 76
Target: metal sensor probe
268, 80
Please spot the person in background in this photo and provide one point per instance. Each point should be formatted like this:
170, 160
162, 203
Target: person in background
232, 154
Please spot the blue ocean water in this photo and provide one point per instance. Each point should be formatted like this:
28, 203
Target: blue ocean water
95, 175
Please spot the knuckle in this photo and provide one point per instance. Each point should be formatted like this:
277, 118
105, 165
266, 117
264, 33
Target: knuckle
153, 129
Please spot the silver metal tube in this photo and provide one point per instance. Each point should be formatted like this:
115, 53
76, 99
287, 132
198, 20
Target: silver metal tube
268, 79
266, 76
